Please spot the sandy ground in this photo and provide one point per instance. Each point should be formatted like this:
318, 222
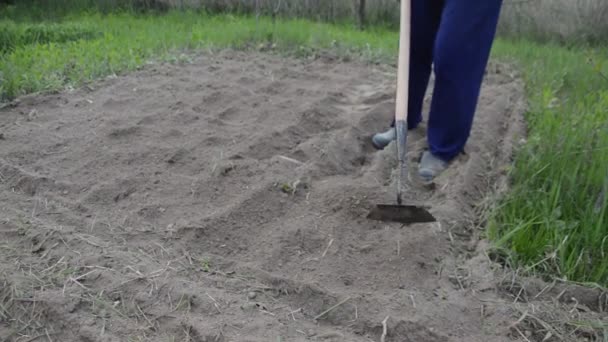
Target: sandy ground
226, 200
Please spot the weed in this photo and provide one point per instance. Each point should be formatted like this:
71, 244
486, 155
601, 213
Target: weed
206, 265
287, 188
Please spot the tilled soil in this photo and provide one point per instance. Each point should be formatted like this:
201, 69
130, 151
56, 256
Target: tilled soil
226, 200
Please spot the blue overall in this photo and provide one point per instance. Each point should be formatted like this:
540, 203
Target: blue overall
455, 37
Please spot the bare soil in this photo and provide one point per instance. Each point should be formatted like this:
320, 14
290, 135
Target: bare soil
226, 200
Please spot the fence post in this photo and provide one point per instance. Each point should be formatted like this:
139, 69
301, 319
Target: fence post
257, 19
361, 15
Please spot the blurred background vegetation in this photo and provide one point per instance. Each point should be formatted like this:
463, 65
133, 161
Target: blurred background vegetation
545, 20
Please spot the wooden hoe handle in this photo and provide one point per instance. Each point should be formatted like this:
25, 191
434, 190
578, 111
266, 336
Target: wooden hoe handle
403, 71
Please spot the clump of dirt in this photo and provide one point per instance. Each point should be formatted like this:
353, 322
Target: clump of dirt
225, 200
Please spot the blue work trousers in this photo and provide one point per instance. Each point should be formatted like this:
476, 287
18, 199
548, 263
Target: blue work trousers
455, 38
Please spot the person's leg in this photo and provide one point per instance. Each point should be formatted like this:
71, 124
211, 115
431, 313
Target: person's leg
426, 15
461, 53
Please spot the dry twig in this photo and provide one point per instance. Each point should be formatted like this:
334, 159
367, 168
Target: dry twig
384, 329
331, 309
327, 249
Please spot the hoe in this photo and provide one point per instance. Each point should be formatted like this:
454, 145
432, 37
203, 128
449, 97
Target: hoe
400, 212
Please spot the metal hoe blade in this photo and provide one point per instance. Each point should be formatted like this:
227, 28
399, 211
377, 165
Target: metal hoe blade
405, 214
401, 130
401, 213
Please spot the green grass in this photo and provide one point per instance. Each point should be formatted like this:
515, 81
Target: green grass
16, 35
127, 42
554, 220
551, 221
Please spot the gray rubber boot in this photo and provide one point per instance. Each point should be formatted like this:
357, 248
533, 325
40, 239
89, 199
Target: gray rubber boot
381, 140
431, 166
